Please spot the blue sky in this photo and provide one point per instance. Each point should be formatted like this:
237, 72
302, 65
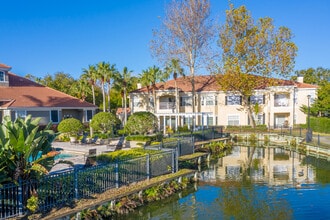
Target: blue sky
42, 37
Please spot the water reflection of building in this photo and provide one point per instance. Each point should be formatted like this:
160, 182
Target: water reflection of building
275, 166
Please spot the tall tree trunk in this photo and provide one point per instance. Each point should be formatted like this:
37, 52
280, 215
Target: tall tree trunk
103, 94
154, 98
249, 111
93, 91
109, 86
125, 107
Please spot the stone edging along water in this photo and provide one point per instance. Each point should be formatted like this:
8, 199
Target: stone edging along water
114, 195
288, 142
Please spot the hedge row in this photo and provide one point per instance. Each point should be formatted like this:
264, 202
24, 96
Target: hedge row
246, 128
320, 124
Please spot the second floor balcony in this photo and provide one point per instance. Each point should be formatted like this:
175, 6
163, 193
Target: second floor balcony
166, 105
281, 100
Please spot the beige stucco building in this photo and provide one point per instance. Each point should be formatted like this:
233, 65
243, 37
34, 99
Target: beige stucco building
279, 105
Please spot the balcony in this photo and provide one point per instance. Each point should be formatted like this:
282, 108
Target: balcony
282, 100
166, 105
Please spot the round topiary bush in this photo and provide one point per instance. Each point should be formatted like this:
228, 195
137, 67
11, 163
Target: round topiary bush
104, 122
141, 123
70, 126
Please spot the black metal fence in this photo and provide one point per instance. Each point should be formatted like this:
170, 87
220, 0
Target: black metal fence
204, 134
63, 188
183, 146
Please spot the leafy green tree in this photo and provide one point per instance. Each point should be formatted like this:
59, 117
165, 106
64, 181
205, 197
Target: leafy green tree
104, 122
186, 34
318, 76
321, 105
141, 123
251, 50
61, 82
25, 150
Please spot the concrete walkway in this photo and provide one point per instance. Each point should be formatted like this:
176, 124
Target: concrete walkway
79, 153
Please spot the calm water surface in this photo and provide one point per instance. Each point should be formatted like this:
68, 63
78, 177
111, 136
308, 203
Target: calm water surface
252, 183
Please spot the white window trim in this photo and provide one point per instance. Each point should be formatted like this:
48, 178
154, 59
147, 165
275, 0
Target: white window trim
233, 115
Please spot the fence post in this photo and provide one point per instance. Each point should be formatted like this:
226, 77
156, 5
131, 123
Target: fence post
203, 134
75, 173
148, 166
193, 145
213, 134
173, 162
318, 139
176, 160
20, 197
117, 173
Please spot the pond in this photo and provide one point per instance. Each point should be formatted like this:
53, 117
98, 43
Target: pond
252, 183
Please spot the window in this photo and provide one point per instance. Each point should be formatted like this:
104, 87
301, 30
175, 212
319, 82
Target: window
210, 120
185, 101
233, 120
259, 119
233, 100
260, 99
2, 76
209, 100
54, 116
151, 101
89, 115
136, 102
281, 100
20, 114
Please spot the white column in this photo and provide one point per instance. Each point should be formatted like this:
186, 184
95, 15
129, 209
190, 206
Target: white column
176, 121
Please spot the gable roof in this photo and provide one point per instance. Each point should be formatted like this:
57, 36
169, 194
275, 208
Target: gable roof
24, 93
210, 83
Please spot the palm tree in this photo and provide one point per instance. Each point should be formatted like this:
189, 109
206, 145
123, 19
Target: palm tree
123, 81
103, 69
110, 74
81, 89
90, 75
150, 77
174, 67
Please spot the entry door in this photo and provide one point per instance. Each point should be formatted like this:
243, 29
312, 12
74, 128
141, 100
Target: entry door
279, 120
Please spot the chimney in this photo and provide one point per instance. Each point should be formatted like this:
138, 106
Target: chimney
139, 86
300, 79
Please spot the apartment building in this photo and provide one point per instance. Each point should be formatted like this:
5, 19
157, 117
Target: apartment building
279, 106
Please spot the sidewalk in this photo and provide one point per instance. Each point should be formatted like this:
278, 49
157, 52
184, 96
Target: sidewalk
78, 151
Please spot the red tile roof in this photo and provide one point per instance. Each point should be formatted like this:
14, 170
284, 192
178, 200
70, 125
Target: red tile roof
4, 66
122, 110
28, 94
209, 83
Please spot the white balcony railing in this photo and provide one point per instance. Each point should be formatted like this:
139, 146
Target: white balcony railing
166, 105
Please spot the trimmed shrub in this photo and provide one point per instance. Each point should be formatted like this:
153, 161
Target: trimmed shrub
104, 122
70, 126
124, 155
141, 123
